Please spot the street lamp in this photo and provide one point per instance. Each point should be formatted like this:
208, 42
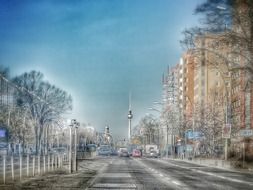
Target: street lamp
158, 130
167, 132
74, 124
227, 121
75, 157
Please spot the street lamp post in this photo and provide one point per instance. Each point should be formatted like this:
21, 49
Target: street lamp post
70, 148
73, 162
75, 156
167, 131
167, 140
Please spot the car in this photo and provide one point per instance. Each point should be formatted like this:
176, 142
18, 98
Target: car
123, 152
136, 153
104, 150
114, 152
153, 154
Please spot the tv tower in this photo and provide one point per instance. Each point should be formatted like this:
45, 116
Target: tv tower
130, 116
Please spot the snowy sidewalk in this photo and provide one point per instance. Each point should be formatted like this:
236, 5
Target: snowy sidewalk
61, 179
222, 164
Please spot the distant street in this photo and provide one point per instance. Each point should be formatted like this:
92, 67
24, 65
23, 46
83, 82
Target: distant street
140, 173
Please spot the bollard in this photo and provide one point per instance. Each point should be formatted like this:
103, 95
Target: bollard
39, 164
20, 167
48, 162
57, 161
44, 163
4, 168
33, 165
51, 163
54, 162
27, 165
12, 169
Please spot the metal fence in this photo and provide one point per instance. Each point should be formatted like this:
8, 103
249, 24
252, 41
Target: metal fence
16, 168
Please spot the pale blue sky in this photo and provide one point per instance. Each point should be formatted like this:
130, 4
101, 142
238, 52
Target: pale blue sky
97, 50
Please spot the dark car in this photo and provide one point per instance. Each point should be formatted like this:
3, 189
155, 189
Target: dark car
153, 154
123, 152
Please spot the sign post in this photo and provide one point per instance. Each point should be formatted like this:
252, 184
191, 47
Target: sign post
226, 132
245, 133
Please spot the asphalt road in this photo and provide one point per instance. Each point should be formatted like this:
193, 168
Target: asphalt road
144, 173
191, 176
140, 173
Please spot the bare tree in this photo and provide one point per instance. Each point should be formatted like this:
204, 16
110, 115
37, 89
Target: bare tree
19, 127
230, 24
149, 127
45, 102
172, 119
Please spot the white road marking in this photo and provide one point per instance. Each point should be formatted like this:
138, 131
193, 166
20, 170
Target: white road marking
114, 185
115, 175
163, 177
223, 177
208, 173
175, 182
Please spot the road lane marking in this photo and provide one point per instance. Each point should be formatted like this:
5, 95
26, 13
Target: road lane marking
223, 177
177, 183
115, 175
114, 185
164, 177
208, 173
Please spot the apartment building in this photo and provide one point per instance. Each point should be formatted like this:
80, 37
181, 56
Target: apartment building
212, 76
187, 86
242, 90
171, 102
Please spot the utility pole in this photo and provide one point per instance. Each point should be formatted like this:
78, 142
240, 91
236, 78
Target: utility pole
167, 140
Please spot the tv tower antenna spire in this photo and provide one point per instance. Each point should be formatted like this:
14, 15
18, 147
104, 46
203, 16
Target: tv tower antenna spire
130, 116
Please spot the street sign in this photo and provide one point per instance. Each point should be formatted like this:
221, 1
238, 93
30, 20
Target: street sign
193, 135
189, 134
226, 131
246, 132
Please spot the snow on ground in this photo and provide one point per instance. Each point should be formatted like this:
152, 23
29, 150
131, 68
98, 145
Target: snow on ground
61, 179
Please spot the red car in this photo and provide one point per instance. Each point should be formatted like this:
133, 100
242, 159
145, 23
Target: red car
136, 153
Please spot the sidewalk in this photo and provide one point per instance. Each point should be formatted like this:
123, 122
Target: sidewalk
222, 164
59, 179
